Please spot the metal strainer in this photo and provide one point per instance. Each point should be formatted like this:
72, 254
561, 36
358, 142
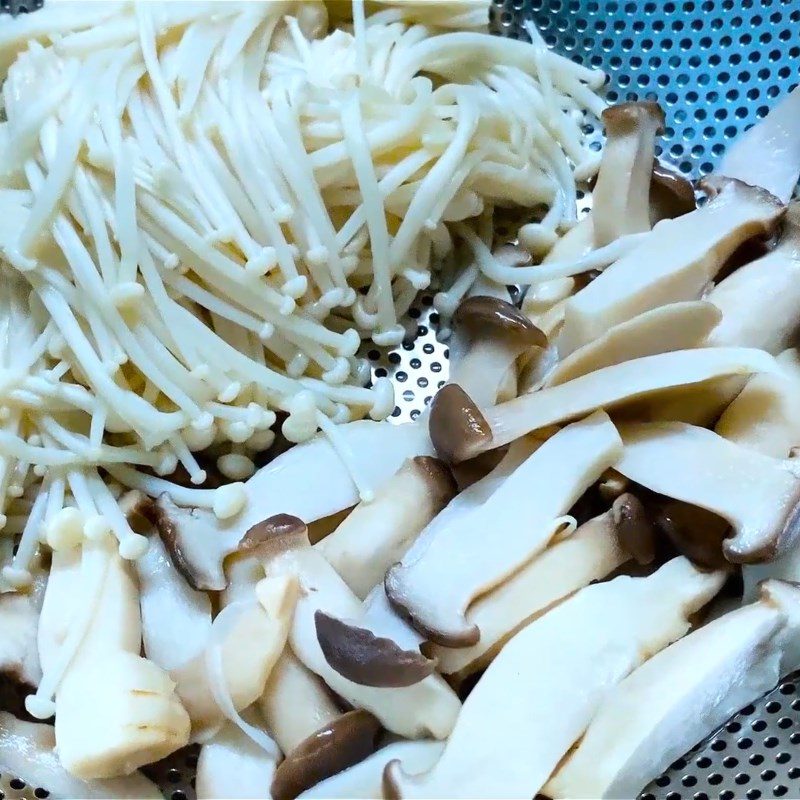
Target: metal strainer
716, 66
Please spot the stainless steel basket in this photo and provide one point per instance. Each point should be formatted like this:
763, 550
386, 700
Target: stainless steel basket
716, 66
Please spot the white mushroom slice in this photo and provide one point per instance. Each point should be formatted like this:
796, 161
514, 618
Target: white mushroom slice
524, 512
115, 711
176, 619
760, 302
19, 623
365, 779
768, 154
248, 651
309, 481
495, 333
587, 555
765, 416
682, 256
527, 695
295, 702
756, 494
681, 695
461, 430
678, 326
234, 767
428, 707
28, 751
620, 200
377, 534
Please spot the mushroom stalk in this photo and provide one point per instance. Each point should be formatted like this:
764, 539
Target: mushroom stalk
497, 333
364, 781
681, 695
28, 752
426, 707
592, 552
19, 622
526, 509
593, 640
234, 767
760, 302
756, 494
678, 326
375, 535
682, 256
621, 195
309, 480
461, 430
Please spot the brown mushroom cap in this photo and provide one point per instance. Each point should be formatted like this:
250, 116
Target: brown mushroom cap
633, 528
369, 660
625, 118
274, 534
671, 195
487, 317
696, 533
443, 486
457, 427
333, 748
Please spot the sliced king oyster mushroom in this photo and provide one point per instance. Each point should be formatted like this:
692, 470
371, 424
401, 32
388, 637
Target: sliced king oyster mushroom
365, 779
681, 695
309, 481
19, 622
461, 430
682, 255
592, 640
758, 495
526, 511
428, 706
621, 194
593, 551
28, 752
377, 534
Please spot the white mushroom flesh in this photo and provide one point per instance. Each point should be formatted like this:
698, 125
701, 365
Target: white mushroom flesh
375, 535
591, 641
678, 326
755, 493
681, 695
587, 555
428, 707
682, 256
19, 623
364, 781
232, 766
28, 752
524, 512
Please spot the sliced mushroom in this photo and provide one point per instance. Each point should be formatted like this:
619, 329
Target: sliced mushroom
461, 430
366, 659
760, 302
621, 195
765, 416
309, 481
525, 512
234, 767
592, 641
678, 326
495, 333
365, 779
377, 534
681, 695
756, 494
426, 707
19, 623
768, 154
671, 195
248, 651
28, 751
339, 745
589, 554
682, 256
695, 532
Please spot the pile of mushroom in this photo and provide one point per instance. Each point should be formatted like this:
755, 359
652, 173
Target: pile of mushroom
367, 614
